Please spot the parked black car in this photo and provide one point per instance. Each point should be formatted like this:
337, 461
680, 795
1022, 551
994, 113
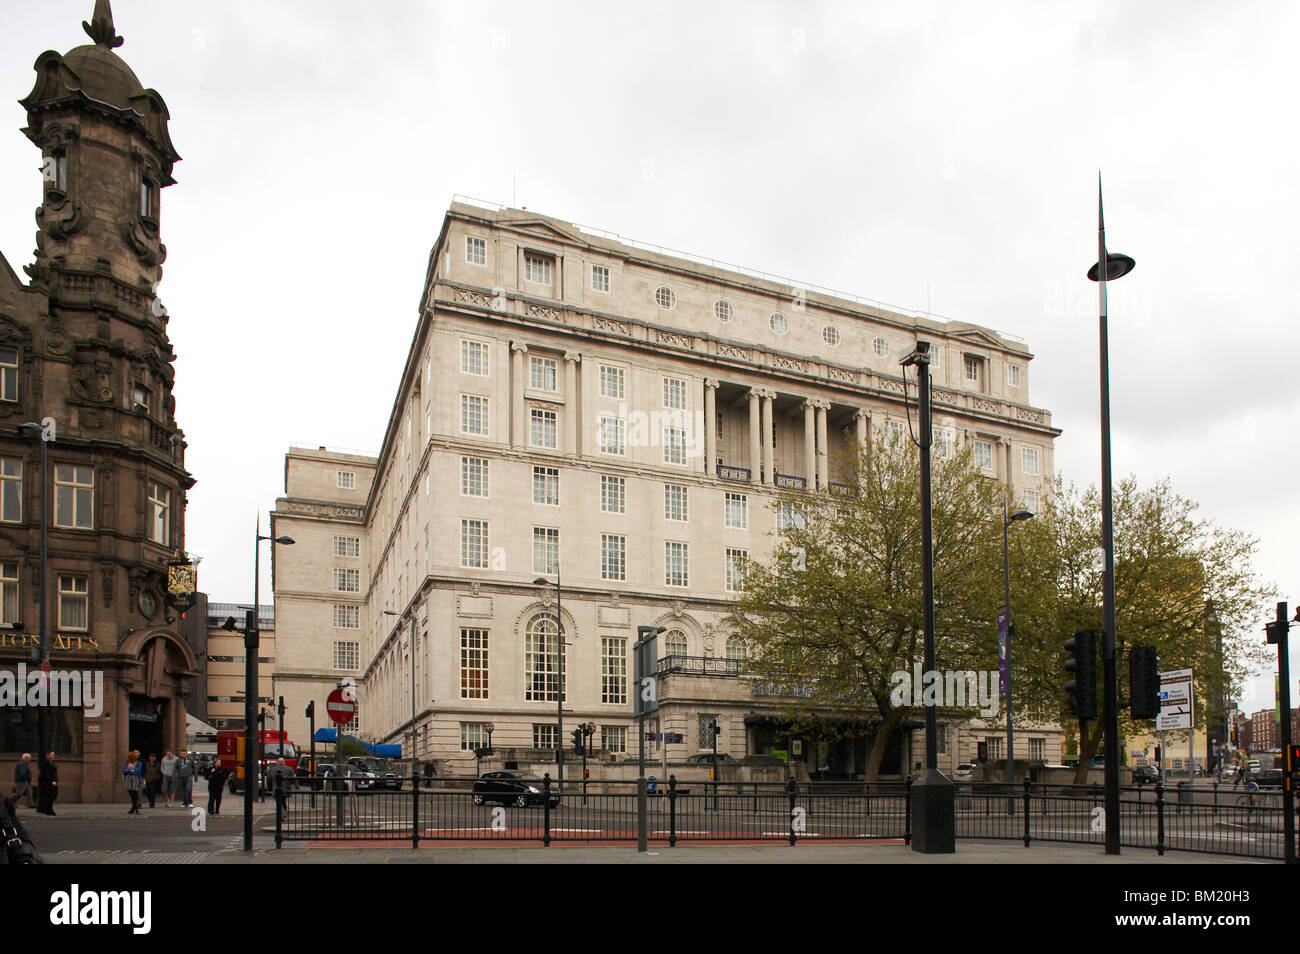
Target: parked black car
512, 788
1146, 775
1268, 779
706, 758
380, 769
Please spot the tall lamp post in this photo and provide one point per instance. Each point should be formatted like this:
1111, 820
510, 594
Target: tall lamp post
251, 642
1006, 641
46, 432
1116, 266
559, 695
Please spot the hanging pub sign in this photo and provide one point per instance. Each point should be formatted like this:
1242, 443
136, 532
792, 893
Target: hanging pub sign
182, 585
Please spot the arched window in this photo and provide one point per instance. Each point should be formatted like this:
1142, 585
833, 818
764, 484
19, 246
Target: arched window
736, 648
541, 658
674, 643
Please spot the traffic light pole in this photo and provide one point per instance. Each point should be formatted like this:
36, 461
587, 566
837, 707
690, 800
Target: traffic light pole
1284, 702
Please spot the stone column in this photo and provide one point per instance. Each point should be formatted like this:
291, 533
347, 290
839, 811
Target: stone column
863, 421
518, 436
710, 424
769, 447
823, 475
809, 444
755, 436
571, 429
1011, 487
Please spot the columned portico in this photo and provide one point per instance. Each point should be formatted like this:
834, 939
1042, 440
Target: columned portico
710, 425
755, 436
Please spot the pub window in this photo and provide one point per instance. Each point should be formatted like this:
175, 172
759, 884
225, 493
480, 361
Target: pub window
74, 602
11, 490
159, 507
140, 398
9, 609
74, 497
8, 374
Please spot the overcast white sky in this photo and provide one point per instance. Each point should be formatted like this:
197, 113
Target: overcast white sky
908, 152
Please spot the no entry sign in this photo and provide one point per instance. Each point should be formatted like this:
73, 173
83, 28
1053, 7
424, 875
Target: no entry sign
340, 709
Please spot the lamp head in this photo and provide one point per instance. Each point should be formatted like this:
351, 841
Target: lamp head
1117, 266
1022, 515
542, 581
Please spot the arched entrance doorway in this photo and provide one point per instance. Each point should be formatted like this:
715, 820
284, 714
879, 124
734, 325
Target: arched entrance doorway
162, 666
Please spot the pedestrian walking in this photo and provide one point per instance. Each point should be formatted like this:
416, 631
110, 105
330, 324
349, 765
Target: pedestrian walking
133, 779
47, 785
169, 776
185, 779
216, 786
23, 780
152, 778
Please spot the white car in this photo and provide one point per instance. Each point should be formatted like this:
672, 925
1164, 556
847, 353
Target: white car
965, 773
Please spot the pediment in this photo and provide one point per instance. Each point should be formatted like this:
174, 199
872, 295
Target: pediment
975, 335
541, 229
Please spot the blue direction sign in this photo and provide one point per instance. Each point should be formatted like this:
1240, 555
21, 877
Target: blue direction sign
650, 784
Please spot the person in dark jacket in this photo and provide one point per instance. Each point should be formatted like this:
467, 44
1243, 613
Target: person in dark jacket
152, 778
47, 785
216, 786
23, 780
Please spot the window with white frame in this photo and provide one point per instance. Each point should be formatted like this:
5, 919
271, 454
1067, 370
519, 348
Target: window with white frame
474, 544
1036, 750
945, 441
541, 659
612, 435
613, 494
347, 546
473, 735
1029, 461
723, 311
676, 563
10, 607
8, 374
474, 476
600, 278
611, 381
665, 297
474, 414
545, 736
735, 569
674, 644
675, 502
74, 602
473, 357
542, 373
11, 490
613, 670
880, 347
897, 431
737, 511
537, 268
347, 616
473, 663
789, 516
160, 499
546, 549
674, 445
675, 393
971, 368
995, 748
347, 654
347, 580
1031, 499
74, 497
613, 556
737, 649
544, 427
613, 738
475, 250
546, 486
1013, 379
345, 480
983, 455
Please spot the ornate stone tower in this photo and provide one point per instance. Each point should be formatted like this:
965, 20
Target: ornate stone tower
85, 343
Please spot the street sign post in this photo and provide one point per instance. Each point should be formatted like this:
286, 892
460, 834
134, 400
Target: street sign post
1175, 700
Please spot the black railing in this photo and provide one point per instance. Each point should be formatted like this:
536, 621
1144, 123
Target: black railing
701, 665
728, 472
464, 809
789, 481
843, 490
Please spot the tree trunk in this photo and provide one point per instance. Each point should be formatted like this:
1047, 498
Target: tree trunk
1088, 744
883, 736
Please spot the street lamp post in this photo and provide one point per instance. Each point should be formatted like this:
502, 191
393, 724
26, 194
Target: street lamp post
559, 695
251, 642
1006, 645
46, 432
1109, 266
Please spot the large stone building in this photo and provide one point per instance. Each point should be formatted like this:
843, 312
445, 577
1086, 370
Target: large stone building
83, 343
577, 404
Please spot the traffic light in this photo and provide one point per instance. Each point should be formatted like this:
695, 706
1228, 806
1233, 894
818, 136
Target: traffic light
1082, 689
1143, 683
311, 710
577, 741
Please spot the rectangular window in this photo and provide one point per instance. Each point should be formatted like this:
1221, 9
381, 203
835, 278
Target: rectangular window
74, 602
345, 480
475, 250
473, 735
983, 456
675, 393
613, 738
613, 494
474, 476
613, 670
612, 435
346, 616
1036, 750
10, 610
600, 278
737, 511
347, 654
945, 440
676, 563
8, 374
971, 365
140, 399
473, 414
941, 738
897, 432
347, 546
788, 516
611, 381
473, 663
537, 268
995, 748
545, 736
473, 357
542, 373
674, 445
11, 490
675, 502
474, 544
613, 556
159, 508
546, 486
347, 580
1029, 460
1031, 499
735, 569
74, 497
1013, 379
541, 661
544, 433
705, 735
546, 550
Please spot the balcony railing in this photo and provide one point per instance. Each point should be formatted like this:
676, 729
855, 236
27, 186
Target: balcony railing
844, 490
701, 665
728, 472
790, 482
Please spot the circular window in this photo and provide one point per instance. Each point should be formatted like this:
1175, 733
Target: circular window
723, 311
881, 347
831, 335
665, 297
778, 323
